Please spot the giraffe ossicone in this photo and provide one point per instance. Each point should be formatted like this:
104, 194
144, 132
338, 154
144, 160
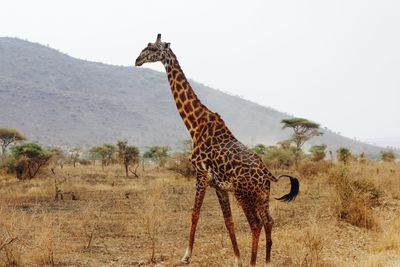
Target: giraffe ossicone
220, 160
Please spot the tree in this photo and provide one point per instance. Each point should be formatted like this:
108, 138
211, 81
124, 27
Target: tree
343, 155
9, 136
303, 130
318, 152
58, 155
30, 158
388, 156
158, 154
128, 155
104, 152
74, 155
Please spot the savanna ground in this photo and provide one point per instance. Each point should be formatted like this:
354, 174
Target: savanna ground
344, 216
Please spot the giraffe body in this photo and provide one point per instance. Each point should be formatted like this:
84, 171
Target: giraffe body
220, 160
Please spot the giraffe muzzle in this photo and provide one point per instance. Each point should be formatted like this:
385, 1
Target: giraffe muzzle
138, 62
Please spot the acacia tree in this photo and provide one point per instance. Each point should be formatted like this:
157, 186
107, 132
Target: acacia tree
9, 136
127, 154
105, 152
303, 130
30, 158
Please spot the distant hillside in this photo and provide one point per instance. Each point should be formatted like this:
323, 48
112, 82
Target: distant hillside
59, 100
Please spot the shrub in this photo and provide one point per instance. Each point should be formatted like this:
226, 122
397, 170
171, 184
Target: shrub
277, 157
354, 198
180, 161
388, 156
362, 158
310, 168
344, 155
259, 149
318, 152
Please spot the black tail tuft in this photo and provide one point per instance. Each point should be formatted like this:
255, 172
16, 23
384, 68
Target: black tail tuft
294, 189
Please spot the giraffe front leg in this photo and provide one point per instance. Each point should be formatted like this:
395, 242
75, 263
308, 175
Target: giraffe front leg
223, 199
200, 193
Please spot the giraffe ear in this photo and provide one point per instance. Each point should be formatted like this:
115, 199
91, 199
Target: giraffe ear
166, 45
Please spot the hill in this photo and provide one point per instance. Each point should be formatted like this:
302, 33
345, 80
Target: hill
60, 100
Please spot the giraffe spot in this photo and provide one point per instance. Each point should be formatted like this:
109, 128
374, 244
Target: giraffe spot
188, 108
183, 97
178, 86
191, 118
179, 78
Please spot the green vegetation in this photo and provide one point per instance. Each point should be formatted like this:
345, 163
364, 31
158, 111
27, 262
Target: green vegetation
344, 155
259, 149
158, 154
318, 152
103, 152
29, 159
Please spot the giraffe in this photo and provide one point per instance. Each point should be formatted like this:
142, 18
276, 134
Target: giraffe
220, 160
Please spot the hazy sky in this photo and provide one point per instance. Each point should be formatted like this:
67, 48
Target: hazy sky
335, 62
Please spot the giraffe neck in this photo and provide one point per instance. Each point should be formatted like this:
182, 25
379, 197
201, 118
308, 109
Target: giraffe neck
189, 106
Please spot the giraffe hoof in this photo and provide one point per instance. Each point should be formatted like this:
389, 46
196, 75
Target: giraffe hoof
185, 261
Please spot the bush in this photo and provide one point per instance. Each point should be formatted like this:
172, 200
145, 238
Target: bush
354, 198
388, 156
276, 157
362, 158
259, 149
344, 155
180, 162
308, 168
318, 152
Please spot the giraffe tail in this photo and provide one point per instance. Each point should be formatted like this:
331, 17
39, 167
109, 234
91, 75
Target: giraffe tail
294, 188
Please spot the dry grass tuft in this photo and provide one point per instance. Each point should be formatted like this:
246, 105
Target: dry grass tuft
354, 198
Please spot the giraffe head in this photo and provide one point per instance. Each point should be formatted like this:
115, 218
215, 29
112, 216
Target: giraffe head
154, 52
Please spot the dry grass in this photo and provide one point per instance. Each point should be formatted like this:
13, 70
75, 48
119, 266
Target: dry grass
344, 216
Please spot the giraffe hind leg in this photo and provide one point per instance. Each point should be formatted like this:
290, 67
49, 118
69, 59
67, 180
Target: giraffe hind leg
255, 223
268, 223
223, 198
